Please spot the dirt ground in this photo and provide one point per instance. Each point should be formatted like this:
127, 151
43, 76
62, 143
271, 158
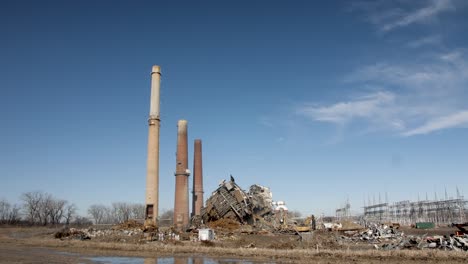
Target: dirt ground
14, 250
38, 245
442, 231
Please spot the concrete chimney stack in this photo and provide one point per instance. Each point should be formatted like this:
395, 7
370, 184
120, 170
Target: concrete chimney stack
152, 171
181, 201
197, 198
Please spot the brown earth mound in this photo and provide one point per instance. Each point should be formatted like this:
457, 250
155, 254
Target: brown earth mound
130, 224
226, 224
348, 225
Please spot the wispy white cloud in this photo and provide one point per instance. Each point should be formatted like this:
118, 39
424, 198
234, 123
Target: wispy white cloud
389, 15
418, 96
454, 57
343, 112
439, 75
453, 120
429, 40
432, 9
413, 98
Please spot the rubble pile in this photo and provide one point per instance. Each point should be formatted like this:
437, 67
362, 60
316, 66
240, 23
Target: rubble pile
71, 233
229, 201
388, 238
130, 224
435, 242
90, 233
374, 235
261, 200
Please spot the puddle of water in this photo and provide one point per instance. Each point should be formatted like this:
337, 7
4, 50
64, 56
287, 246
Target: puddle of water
121, 260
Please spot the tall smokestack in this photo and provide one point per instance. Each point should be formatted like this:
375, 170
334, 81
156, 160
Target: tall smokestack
181, 201
197, 198
152, 171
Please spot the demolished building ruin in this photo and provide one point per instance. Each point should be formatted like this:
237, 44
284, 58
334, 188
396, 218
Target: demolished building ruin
229, 201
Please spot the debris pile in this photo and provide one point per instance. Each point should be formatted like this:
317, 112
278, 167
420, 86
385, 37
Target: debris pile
229, 201
462, 229
380, 232
435, 242
261, 199
375, 234
72, 233
90, 233
389, 238
130, 224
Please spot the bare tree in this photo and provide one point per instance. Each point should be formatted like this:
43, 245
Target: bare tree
56, 210
116, 213
121, 212
109, 216
32, 202
81, 221
43, 208
8, 214
138, 211
70, 211
98, 213
14, 214
4, 210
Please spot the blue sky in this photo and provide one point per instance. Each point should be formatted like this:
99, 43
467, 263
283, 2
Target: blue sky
322, 102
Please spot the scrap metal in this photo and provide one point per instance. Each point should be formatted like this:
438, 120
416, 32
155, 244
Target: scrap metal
230, 201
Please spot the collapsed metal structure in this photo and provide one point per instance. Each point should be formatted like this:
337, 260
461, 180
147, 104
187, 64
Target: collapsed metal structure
229, 201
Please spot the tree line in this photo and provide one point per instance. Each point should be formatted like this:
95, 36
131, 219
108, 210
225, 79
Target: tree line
116, 212
9, 214
41, 208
